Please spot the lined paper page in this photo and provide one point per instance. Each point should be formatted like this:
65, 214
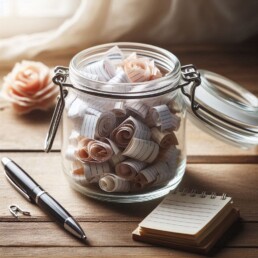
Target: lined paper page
183, 213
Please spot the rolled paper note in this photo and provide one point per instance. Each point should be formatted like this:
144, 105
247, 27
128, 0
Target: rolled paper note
74, 138
77, 108
89, 76
142, 150
105, 125
120, 77
93, 111
130, 128
140, 69
104, 69
117, 158
77, 124
70, 153
139, 108
173, 107
165, 173
149, 121
163, 139
89, 124
151, 174
113, 183
90, 150
128, 169
114, 53
119, 109
93, 171
98, 125
164, 118
70, 98
170, 156
115, 149
78, 173
77, 168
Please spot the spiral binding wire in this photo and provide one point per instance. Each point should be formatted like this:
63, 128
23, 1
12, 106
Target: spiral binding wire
203, 194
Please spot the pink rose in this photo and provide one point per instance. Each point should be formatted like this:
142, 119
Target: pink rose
29, 86
140, 69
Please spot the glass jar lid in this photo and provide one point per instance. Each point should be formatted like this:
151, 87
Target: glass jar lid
226, 110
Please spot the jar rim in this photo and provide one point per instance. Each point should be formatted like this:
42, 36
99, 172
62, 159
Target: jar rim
154, 87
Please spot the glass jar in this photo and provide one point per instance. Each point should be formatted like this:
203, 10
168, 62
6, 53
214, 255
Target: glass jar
125, 142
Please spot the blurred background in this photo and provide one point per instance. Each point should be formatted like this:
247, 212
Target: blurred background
33, 27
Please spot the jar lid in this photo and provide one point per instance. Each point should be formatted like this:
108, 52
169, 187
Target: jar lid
226, 110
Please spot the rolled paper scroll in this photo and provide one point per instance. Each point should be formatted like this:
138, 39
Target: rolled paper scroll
164, 118
139, 108
170, 156
142, 150
94, 171
130, 128
70, 153
165, 173
117, 158
173, 107
120, 77
140, 69
69, 100
155, 173
163, 139
77, 168
74, 138
130, 168
106, 123
89, 124
113, 183
114, 53
78, 173
104, 69
93, 111
77, 108
90, 150
89, 76
119, 109
99, 125
115, 149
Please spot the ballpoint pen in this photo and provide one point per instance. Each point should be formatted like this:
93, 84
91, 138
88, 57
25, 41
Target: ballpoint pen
35, 194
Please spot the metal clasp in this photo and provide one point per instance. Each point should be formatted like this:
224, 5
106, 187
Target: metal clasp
15, 210
191, 75
61, 75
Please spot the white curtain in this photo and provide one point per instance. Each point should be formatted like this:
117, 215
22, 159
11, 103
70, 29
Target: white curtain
159, 22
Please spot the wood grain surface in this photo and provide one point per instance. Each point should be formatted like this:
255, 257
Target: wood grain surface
212, 166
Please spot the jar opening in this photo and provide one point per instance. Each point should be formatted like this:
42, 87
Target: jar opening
165, 60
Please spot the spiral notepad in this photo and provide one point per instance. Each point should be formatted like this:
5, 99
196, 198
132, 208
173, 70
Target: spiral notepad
188, 220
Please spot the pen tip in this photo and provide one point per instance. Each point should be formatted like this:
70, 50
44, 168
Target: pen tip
84, 238
5, 161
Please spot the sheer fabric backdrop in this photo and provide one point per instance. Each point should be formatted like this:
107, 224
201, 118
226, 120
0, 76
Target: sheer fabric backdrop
159, 22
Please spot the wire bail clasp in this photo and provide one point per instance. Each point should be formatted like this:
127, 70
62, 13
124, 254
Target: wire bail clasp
15, 210
61, 75
191, 75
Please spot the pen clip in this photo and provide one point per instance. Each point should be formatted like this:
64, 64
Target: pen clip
19, 189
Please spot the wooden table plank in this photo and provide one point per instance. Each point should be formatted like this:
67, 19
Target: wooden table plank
27, 132
125, 252
238, 180
102, 234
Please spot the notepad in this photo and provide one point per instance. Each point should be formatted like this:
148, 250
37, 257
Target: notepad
188, 220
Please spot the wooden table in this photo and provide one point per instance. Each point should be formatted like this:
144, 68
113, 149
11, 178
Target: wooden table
212, 165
